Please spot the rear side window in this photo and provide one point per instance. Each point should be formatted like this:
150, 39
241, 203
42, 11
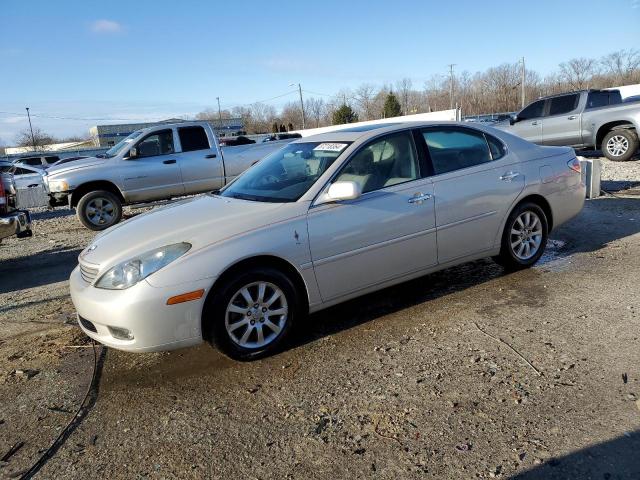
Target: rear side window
563, 104
532, 111
193, 138
454, 149
51, 160
31, 161
497, 148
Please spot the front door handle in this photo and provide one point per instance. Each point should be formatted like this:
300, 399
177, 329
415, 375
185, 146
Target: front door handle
419, 198
507, 177
534, 123
213, 155
572, 117
168, 162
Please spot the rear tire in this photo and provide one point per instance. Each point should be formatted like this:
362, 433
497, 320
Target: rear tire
251, 315
620, 145
524, 237
99, 210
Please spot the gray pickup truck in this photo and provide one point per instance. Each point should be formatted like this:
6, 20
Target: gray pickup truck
156, 163
12, 221
587, 119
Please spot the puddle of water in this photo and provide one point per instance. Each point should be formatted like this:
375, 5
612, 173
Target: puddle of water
553, 258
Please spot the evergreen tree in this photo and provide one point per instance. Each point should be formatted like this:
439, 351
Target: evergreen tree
344, 114
392, 106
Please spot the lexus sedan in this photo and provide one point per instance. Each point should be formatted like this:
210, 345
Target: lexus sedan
325, 219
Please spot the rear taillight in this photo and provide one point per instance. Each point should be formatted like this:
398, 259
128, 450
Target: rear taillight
574, 164
3, 198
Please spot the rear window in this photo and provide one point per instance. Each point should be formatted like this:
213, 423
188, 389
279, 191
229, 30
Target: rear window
51, 160
193, 138
564, 104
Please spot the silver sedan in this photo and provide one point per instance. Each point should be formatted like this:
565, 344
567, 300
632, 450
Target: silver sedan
323, 220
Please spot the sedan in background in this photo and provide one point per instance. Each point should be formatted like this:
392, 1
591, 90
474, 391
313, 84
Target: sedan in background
325, 219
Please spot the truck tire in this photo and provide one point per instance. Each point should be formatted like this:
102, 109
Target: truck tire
620, 145
99, 210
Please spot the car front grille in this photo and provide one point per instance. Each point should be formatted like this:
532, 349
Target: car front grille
87, 324
87, 273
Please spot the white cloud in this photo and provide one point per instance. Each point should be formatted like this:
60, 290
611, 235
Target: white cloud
106, 26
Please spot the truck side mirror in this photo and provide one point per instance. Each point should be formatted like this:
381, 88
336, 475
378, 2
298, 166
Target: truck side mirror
513, 119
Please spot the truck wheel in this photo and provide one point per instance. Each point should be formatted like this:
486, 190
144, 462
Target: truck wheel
99, 210
620, 145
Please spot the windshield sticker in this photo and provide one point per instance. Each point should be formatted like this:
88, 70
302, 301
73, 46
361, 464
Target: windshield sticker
331, 147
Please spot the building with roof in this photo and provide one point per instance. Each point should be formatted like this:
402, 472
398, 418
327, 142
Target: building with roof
109, 135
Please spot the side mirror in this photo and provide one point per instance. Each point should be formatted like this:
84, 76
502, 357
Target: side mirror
133, 152
343, 191
513, 119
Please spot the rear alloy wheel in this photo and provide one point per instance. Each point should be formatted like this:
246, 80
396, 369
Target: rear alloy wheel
524, 238
620, 145
251, 315
99, 210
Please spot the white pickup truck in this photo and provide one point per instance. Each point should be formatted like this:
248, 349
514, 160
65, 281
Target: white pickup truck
155, 163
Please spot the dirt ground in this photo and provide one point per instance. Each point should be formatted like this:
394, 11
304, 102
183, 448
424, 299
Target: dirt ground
467, 373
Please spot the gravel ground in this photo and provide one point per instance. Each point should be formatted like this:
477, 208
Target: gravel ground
467, 373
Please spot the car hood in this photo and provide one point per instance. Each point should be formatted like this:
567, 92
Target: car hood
75, 165
200, 221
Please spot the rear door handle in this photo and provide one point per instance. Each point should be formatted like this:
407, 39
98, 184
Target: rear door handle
419, 198
167, 162
572, 117
534, 123
213, 155
507, 177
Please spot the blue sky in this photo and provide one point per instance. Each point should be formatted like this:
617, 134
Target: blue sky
142, 60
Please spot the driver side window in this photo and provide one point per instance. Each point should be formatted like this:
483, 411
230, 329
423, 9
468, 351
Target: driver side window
157, 143
387, 161
535, 110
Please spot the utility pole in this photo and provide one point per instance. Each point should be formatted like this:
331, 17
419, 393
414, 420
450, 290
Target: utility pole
219, 114
33, 139
451, 65
301, 103
522, 81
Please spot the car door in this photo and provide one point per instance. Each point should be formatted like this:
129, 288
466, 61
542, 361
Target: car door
388, 232
529, 122
475, 182
151, 170
199, 162
561, 122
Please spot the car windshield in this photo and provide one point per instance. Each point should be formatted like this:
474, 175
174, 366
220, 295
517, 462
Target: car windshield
125, 142
285, 175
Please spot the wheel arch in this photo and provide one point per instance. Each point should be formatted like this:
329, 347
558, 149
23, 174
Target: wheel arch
87, 187
259, 261
541, 202
607, 127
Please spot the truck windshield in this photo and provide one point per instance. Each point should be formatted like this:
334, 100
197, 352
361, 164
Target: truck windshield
285, 175
125, 142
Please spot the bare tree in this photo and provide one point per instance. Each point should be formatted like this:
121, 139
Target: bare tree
403, 89
212, 114
314, 107
39, 139
623, 65
578, 72
364, 96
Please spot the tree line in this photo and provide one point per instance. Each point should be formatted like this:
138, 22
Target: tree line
497, 89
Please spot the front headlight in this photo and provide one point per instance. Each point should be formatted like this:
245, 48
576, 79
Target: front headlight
57, 185
130, 272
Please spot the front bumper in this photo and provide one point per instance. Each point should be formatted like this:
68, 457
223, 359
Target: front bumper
142, 310
15, 223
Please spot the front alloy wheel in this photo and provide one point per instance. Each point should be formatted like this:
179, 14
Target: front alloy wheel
250, 313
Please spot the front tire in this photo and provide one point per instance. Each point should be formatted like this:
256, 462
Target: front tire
99, 210
251, 315
524, 237
620, 145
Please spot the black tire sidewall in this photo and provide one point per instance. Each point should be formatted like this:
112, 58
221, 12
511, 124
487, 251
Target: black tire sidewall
507, 257
86, 198
631, 137
213, 321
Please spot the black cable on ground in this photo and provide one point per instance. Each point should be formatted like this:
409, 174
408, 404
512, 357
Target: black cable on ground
87, 403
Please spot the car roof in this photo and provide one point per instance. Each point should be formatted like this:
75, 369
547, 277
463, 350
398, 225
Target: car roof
353, 133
